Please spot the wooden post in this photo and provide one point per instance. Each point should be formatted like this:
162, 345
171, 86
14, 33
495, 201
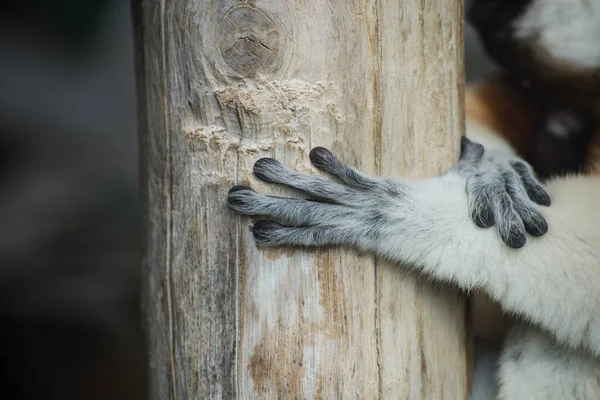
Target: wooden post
224, 83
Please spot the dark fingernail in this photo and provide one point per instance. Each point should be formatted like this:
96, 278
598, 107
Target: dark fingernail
263, 165
263, 229
540, 197
515, 238
233, 197
484, 218
320, 156
537, 228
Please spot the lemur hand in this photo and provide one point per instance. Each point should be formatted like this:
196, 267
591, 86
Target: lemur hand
501, 191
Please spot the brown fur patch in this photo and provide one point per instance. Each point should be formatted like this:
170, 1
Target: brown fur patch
498, 105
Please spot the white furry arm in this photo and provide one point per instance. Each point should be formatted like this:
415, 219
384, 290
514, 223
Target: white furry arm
553, 281
429, 225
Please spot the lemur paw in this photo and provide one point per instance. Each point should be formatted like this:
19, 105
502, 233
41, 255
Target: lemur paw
502, 190
348, 213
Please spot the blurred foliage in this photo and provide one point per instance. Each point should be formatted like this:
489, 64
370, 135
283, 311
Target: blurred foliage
71, 23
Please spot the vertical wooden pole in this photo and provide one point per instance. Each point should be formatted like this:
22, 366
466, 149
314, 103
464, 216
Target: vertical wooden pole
423, 337
222, 84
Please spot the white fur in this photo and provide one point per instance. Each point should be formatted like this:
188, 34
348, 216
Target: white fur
553, 280
569, 30
534, 367
487, 137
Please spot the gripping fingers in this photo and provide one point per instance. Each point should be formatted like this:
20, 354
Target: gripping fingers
533, 187
501, 190
293, 211
480, 204
271, 233
498, 195
509, 222
271, 170
534, 222
490, 204
326, 161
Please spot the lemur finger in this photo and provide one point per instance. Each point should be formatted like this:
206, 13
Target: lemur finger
246, 201
534, 188
271, 170
271, 233
534, 222
508, 221
470, 151
326, 161
471, 154
480, 206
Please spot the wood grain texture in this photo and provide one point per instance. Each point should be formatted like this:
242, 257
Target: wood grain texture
423, 341
222, 84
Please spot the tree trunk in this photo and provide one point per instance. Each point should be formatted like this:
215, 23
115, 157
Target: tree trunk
224, 83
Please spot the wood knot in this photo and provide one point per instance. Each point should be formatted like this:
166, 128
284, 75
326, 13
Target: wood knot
249, 40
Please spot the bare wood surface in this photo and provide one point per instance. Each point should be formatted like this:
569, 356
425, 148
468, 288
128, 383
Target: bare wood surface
222, 84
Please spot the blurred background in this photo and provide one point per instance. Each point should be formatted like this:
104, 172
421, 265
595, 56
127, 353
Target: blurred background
69, 201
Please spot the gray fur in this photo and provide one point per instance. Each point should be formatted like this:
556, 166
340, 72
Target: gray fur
498, 195
346, 214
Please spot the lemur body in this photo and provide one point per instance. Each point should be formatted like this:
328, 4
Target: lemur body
548, 102
549, 50
539, 257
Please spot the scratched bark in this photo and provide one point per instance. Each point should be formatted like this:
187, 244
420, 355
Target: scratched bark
222, 84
